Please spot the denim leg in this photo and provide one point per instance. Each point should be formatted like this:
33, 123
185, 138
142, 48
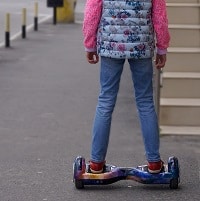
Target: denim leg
142, 74
110, 74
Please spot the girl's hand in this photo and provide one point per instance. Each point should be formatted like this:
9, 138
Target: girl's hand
160, 61
92, 57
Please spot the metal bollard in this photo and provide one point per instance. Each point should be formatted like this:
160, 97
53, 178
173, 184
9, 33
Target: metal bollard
24, 23
7, 31
36, 17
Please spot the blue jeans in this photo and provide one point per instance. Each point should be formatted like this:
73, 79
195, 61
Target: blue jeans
142, 74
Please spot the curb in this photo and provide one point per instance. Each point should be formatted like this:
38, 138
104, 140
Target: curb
28, 29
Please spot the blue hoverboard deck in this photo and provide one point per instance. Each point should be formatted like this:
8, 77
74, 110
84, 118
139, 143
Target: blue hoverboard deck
111, 174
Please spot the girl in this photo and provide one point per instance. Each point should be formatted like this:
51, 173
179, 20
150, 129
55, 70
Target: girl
117, 30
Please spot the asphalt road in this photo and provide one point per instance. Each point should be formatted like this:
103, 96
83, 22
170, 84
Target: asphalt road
48, 94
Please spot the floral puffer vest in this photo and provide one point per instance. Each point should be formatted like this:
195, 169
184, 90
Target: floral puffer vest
126, 29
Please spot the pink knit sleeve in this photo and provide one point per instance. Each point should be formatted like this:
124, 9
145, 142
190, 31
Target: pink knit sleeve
160, 22
92, 16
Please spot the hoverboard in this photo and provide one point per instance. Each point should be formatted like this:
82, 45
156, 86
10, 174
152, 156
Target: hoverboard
82, 175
